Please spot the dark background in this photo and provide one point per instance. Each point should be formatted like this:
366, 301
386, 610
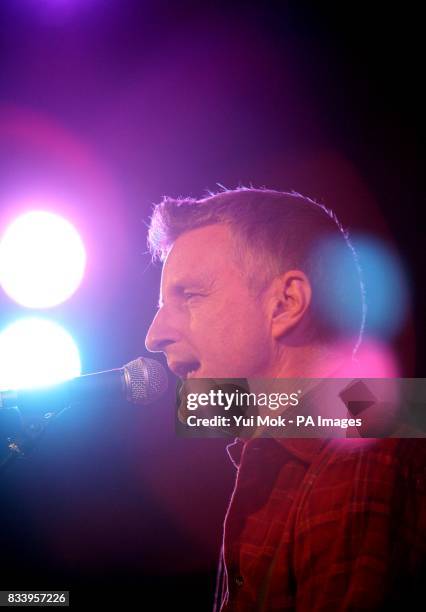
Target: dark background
105, 106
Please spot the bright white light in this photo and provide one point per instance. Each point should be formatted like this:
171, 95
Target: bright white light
36, 352
42, 260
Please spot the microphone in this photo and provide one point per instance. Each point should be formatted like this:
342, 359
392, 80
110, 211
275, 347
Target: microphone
140, 381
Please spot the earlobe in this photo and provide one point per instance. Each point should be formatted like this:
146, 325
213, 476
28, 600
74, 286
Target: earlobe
291, 299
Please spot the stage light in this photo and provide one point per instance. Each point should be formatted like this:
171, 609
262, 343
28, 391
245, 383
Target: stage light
36, 352
386, 285
386, 289
42, 259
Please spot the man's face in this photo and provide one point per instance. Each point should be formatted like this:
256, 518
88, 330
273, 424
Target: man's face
209, 324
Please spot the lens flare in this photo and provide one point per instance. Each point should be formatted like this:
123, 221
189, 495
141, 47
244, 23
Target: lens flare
42, 260
387, 287
36, 352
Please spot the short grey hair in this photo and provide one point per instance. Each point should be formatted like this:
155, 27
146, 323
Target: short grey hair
273, 232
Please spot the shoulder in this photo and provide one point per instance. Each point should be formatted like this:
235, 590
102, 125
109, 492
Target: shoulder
367, 485
372, 466
400, 453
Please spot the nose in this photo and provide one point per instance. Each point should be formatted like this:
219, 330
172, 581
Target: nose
161, 332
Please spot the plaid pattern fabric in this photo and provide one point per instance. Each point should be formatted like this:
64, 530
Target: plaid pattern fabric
322, 525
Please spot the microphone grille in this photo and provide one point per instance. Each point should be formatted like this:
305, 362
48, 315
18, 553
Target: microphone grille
146, 380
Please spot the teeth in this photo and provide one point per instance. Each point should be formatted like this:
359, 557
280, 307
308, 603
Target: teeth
187, 370
190, 372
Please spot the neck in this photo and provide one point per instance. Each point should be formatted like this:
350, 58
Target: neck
313, 361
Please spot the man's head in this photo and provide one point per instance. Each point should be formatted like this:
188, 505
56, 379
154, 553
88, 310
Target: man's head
250, 277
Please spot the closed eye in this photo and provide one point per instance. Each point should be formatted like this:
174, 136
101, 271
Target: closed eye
189, 295
186, 295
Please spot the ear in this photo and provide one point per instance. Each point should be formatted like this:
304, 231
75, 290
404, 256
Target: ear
290, 298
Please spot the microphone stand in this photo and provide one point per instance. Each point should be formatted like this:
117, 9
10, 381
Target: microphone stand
20, 445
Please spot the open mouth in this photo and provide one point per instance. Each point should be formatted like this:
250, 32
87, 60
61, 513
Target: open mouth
186, 369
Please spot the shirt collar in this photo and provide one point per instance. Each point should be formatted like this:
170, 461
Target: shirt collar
304, 449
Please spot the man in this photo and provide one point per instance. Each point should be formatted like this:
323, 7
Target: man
264, 284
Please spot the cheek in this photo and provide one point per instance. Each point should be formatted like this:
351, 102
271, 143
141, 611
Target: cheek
249, 339
239, 330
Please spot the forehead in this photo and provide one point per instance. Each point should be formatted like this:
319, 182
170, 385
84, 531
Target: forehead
199, 254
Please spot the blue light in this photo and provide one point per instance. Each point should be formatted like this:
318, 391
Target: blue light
338, 293
387, 289
36, 352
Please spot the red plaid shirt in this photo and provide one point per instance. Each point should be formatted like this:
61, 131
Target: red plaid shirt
327, 525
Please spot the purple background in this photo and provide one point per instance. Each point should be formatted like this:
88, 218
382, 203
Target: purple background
105, 106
